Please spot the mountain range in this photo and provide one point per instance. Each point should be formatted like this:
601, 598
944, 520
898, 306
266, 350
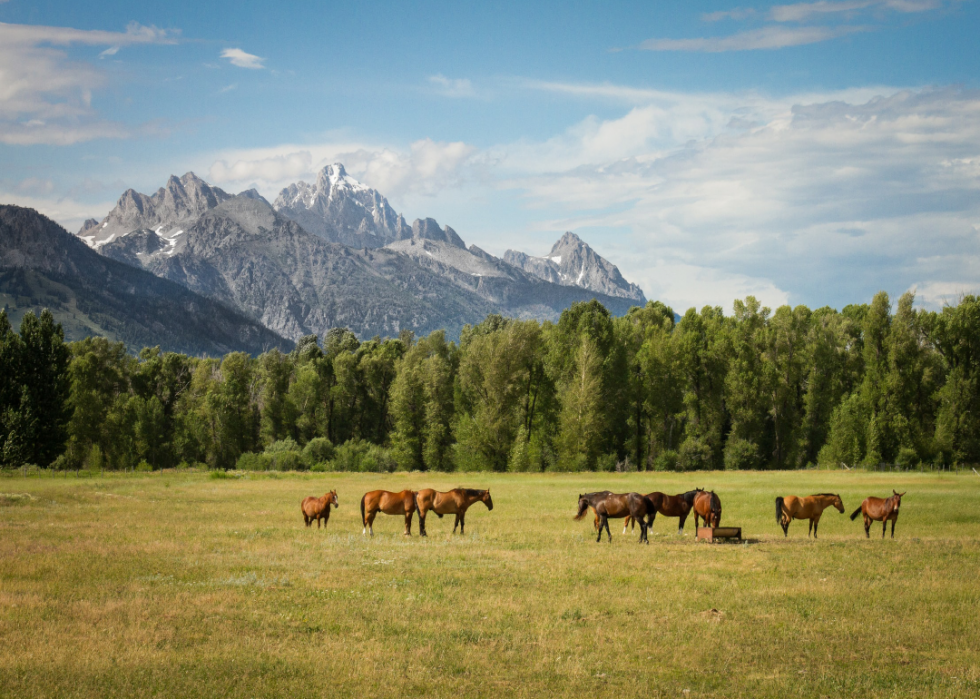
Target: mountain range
335, 253
44, 266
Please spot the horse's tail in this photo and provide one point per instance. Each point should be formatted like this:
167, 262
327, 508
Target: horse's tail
856, 513
779, 510
363, 519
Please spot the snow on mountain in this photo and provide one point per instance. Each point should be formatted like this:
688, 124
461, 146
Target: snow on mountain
340, 209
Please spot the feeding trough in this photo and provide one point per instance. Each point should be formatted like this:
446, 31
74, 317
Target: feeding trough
719, 533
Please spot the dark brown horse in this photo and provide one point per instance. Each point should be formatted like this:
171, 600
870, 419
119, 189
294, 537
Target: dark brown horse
707, 505
453, 502
402, 503
811, 507
880, 510
614, 505
669, 506
317, 508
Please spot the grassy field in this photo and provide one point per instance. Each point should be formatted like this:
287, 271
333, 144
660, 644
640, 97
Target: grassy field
177, 584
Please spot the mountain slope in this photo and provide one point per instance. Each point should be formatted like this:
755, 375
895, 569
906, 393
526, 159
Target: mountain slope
572, 262
42, 265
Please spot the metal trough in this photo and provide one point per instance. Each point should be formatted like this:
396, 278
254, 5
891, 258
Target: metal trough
716, 533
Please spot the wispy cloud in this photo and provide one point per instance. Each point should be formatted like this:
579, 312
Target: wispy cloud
228, 88
452, 87
239, 58
803, 11
737, 14
46, 96
771, 37
819, 21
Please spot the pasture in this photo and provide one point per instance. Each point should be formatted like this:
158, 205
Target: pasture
179, 584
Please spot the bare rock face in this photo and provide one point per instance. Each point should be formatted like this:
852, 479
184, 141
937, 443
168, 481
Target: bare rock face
340, 209
166, 213
42, 264
572, 262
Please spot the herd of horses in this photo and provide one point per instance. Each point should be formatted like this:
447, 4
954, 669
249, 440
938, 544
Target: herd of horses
606, 505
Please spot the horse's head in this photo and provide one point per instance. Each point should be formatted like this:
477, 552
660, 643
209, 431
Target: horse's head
583, 506
332, 498
715, 508
838, 503
486, 499
897, 497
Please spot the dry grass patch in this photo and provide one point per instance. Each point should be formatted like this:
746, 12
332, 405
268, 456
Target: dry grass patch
178, 584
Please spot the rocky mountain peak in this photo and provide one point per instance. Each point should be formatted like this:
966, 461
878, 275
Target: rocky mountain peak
572, 262
428, 229
340, 209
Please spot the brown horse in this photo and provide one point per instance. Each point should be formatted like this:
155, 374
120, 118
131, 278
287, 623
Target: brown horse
614, 505
402, 503
707, 505
880, 510
811, 507
317, 508
669, 506
453, 502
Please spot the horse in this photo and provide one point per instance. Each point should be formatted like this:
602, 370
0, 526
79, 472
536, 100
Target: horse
811, 507
389, 503
614, 505
453, 502
708, 507
669, 506
316, 508
880, 510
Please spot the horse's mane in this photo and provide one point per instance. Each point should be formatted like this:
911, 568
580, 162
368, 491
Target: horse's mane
691, 494
472, 492
829, 495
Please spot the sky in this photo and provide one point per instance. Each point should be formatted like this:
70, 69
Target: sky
808, 153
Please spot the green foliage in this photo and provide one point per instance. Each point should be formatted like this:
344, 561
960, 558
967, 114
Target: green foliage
741, 455
695, 455
758, 389
318, 450
144, 467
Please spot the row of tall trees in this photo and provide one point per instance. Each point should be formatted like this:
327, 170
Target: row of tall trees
755, 389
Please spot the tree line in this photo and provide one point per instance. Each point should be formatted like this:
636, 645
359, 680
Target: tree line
755, 389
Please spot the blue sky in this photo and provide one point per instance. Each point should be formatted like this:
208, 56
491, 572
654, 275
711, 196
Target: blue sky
802, 152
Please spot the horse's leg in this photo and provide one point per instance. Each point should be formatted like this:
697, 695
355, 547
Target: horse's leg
456, 523
680, 524
809, 530
408, 522
605, 521
462, 523
626, 523
370, 521
816, 523
306, 519
894, 519
643, 531
602, 520
884, 527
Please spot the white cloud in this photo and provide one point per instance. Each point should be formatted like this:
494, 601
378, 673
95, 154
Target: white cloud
239, 58
458, 87
425, 168
45, 96
228, 88
770, 37
67, 212
937, 294
826, 198
803, 11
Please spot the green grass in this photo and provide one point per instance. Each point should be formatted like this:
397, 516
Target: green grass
177, 584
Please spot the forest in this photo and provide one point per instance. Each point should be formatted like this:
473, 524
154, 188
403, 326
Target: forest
755, 389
